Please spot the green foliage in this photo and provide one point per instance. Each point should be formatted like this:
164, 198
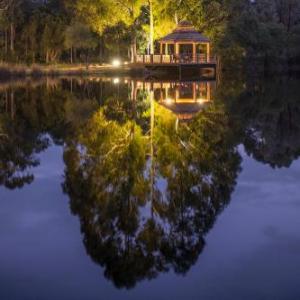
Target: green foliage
79, 36
52, 40
241, 30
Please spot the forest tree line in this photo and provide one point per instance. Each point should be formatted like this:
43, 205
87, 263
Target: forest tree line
52, 31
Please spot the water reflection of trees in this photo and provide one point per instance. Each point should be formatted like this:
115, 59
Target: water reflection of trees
32, 116
146, 196
143, 212
145, 186
268, 112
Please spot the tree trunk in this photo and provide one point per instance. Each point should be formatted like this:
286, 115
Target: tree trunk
12, 104
47, 56
12, 37
152, 169
75, 55
151, 27
26, 48
6, 101
133, 49
176, 18
6, 42
119, 42
53, 55
71, 55
101, 50
87, 59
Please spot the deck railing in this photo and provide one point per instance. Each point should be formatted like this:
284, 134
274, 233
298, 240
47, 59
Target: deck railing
174, 59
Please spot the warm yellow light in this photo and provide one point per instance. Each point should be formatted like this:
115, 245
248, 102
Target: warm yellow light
116, 63
168, 101
202, 100
116, 80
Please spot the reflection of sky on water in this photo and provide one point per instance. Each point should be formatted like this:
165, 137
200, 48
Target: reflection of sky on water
252, 252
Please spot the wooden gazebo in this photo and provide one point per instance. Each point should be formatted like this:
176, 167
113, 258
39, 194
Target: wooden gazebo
184, 46
185, 40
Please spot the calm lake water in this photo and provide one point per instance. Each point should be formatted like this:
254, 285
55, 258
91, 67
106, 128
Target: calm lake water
112, 188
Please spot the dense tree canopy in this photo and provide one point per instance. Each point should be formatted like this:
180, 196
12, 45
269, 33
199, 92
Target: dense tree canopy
44, 31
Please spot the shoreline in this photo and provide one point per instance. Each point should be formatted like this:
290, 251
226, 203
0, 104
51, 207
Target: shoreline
14, 71
10, 72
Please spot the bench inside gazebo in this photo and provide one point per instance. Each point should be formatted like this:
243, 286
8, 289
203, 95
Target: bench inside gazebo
185, 45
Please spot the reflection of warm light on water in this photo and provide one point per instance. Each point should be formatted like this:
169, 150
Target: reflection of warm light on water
202, 100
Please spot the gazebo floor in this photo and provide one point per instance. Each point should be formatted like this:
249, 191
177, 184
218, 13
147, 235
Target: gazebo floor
200, 65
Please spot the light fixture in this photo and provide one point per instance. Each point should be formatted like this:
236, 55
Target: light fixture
168, 101
116, 63
116, 80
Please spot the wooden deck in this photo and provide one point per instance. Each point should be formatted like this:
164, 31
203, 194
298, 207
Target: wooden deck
180, 66
169, 60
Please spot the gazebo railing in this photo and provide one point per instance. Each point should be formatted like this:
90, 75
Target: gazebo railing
174, 59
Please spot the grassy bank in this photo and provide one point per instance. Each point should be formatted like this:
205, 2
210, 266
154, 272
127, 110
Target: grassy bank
9, 71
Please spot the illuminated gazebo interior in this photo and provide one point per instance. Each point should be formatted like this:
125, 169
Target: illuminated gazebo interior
185, 40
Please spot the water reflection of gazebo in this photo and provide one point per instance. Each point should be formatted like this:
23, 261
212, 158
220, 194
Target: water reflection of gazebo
185, 99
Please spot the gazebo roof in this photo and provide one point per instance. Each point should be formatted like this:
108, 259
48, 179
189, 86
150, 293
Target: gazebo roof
185, 32
184, 110
184, 107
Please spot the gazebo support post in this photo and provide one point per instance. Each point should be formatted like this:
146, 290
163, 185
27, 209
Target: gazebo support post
177, 95
208, 91
176, 48
208, 53
194, 59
